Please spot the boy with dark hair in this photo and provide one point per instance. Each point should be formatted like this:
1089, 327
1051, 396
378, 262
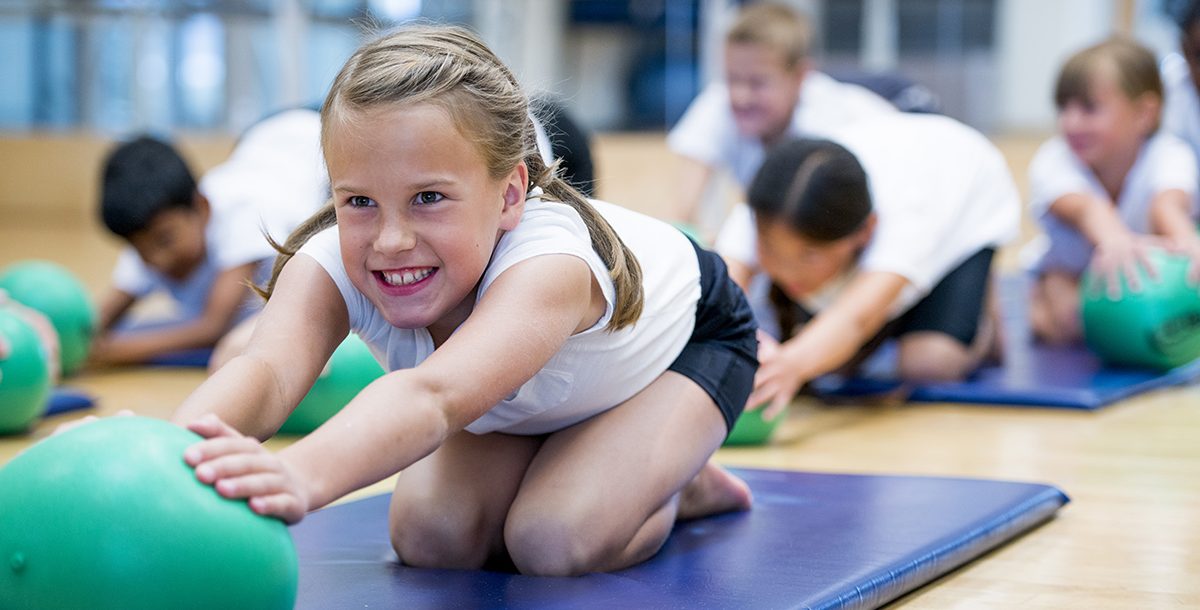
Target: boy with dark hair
203, 242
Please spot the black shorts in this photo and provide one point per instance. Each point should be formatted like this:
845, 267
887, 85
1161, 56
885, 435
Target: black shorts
953, 307
722, 354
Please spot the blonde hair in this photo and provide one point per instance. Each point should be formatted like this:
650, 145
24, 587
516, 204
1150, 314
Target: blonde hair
449, 66
1132, 66
775, 27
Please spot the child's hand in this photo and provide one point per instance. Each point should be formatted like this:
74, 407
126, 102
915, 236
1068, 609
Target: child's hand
1126, 256
1190, 249
240, 467
777, 380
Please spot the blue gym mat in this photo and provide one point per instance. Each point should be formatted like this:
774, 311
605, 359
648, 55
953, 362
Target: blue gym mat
1040, 376
1031, 375
185, 358
811, 541
65, 400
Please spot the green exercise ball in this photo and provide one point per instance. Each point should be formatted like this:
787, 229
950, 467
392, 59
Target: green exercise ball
349, 370
108, 515
24, 374
751, 429
1157, 327
53, 290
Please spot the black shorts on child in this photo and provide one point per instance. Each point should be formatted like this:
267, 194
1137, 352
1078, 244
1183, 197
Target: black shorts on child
722, 354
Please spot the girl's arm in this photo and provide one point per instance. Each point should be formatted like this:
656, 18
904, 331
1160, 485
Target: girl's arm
1170, 216
298, 330
1118, 250
522, 321
827, 341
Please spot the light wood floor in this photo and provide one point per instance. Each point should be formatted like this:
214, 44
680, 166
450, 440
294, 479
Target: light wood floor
1129, 539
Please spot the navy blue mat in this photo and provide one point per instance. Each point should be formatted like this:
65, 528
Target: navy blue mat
198, 357
1040, 376
1031, 375
65, 400
811, 541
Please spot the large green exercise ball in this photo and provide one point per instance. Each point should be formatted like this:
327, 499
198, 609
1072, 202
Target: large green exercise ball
751, 428
1157, 327
53, 290
349, 370
108, 515
24, 374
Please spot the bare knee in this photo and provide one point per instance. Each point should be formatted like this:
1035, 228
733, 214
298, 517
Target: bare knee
436, 535
542, 544
1054, 310
934, 357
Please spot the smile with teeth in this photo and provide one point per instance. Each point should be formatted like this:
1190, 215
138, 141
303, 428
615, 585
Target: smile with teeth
406, 276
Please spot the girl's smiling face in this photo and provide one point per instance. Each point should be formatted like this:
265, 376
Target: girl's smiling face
1103, 126
418, 214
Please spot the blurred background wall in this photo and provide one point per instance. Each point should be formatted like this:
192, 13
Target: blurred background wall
89, 71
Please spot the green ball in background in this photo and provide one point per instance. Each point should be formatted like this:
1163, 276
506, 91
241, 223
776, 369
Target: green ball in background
691, 231
53, 290
108, 515
751, 429
1158, 327
349, 370
24, 375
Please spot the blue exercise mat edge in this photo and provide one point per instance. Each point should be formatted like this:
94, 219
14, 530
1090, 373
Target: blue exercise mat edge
355, 571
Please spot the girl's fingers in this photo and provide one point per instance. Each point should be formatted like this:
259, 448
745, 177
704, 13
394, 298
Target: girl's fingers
284, 506
253, 485
236, 465
216, 447
777, 407
209, 425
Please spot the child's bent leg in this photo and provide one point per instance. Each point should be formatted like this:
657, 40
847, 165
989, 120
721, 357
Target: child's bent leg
1054, 305
604, 493
448, 509
930, 356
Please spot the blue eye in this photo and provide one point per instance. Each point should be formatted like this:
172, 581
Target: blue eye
428, 197
359, 201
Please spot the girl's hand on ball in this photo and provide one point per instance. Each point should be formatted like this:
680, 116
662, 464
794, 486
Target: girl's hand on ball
239, 466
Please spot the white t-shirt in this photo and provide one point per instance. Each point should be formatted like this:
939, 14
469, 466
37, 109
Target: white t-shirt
596, 369
940, 190
1181, 112
1165, 162
708, 133
274, 179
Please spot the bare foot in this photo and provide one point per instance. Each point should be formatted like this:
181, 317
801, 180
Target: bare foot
713, 491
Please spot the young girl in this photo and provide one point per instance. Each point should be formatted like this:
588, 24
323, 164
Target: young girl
1108, 187
560, 371
887, 232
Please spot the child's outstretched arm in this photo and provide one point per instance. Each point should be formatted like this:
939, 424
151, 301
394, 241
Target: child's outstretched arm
228, 294
297, 331
1118, 250
523, 320
826, 342
1171, 217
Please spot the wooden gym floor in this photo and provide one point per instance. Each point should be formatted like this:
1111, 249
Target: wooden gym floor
1129, 539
